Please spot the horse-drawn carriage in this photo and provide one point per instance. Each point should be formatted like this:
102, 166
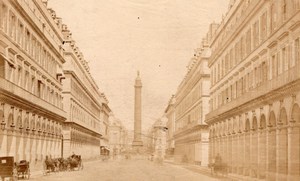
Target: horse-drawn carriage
62, 164
8, 169
75, 162
23, 169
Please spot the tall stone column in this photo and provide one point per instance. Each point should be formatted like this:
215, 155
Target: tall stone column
137, 141
293, 151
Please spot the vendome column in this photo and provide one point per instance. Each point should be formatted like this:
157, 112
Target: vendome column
137, 141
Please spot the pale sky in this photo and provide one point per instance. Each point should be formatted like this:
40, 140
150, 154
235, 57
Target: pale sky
156, 37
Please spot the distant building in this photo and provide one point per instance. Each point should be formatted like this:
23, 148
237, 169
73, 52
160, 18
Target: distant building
117, 136
31, 58
170, 115
255, 93
157, 138
192, 101
104, 125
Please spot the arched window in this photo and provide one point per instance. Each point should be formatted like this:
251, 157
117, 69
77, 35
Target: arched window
283, 117
247, 125
262, 122
296, 113
254, 124
272, 119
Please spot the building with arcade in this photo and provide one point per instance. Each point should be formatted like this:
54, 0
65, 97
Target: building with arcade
82, 102
254, 118
31, 59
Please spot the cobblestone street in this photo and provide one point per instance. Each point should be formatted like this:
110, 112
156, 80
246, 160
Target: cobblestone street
133, 170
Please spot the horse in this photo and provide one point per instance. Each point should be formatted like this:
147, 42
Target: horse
218, 167
63, 164
49, 165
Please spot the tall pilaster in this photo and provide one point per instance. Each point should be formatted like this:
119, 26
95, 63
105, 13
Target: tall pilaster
137, 141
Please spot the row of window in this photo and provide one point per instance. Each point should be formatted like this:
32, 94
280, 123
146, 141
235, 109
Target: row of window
27, 120
78, 139
256, 34
279, 62
280, 11
80, 95
190, 119
88, 82
15, 29
80, 115
35, 85
190, 99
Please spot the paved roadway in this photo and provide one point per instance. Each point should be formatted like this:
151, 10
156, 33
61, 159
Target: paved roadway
126, 170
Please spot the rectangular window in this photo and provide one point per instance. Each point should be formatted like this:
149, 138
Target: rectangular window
232, 61
20, 34
33, 46
274, 66
236, 58
219, 72
243, 84
284, 10
284, 60
273, 17
234, 91
40, 89
3, 18
248, 42
12, 25
242, 48
263, 27
264, 72
259, 75
27, 39
26, 83
33, 84
279, 64
255, 77
297, 4
19, 76
255, 34
250, 80
226, 64
222, 68
238, 88
296, 52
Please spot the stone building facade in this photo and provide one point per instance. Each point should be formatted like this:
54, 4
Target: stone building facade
170, 115
157, 139
254, 121
31, 58
82, 102
192, 100
117, 136
104, 127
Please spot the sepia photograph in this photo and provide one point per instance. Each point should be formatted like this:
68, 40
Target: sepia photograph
150, 90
